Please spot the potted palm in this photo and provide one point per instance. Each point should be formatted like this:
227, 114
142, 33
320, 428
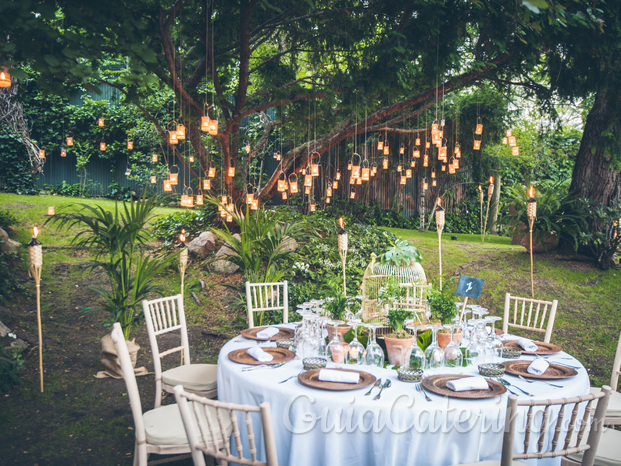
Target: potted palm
441, 303
336, 306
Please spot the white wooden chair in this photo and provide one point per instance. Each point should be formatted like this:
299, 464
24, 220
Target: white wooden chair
209, 423
613, 413
565, 434
415, 299
165, 315
262, 297
158, 431
529, 314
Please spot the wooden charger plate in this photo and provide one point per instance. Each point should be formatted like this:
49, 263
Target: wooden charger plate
554, 372
437, 384
542, 348
311, 379
241, 356
283, 334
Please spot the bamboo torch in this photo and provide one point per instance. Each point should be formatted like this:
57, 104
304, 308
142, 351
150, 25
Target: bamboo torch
531, 212
490, 191
342, 245
440, 227
183, 258
35, 253
481, 211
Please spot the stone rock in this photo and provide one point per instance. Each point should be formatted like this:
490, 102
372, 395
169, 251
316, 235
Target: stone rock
3, 235
8, 245
203, 244
223, 265
289, 244
4, 330
20, 345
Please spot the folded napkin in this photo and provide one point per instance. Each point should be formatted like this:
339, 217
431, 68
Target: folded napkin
260, 355
330, 375
527, 345
538, 367
468, 383
268, 332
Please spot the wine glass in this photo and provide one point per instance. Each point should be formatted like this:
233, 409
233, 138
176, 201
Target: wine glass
493, 341
475, 351
452, 353
321, 339
375, 353
415, 355
434, 355
355, 354
336, 350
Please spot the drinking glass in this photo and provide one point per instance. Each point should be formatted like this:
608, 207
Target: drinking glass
452, 353
336, 350
434, 355
415, 355
475, 351
322, 347
355, 354
375, 353
494, 342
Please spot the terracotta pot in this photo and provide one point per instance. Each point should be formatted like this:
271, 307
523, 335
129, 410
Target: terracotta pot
340, 357
341, 330
445, 338
397, 349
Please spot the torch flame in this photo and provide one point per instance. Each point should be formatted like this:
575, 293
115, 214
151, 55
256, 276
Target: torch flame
491, 180
182, 238
480, 188
35, 232
531, 191
439, 202
341, 222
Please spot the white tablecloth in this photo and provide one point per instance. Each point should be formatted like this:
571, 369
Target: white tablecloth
317, 427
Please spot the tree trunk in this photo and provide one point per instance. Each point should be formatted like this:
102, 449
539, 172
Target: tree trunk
492, 221
594, 177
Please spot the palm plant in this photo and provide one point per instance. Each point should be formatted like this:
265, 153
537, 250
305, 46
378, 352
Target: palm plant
116, 236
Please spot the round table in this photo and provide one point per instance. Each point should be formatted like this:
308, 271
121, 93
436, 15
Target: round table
319, 427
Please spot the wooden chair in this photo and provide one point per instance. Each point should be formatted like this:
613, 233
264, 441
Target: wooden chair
613, 413
163, 316
566, 431
209, 423
529, 314
261, 297
157, 431
415, 300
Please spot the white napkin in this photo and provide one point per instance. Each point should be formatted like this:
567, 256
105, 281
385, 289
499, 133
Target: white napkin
468, 383
260, 355
538, 367
330, 375
268, 332
527, 345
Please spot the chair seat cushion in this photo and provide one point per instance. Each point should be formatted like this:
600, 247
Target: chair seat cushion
608, 450
164, 426
195, 377
614, 402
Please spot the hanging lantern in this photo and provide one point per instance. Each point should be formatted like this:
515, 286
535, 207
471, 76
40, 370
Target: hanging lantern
425, 184
284, 195
50, 210
63, 152
223, 199
212, 128
70, 140
205, 123
366, 173
183, 200
247, 147
358, 180
308, 181
442, 153
512, 141
403, 180
128, 171
477, 144
427, 144
181, 133
314, 169
416, 154
231, 172
328, 191
5, 77
508, 132
443, 168
293, 186
254, 205
515, 151
223, 213
380, 144
418, 141
130, 145
189, 201
100, 122
200, 199
434, 183
456, 164
413, 164
399, 168
167, 185
338, 175
335, 184
479, 127
229, 218
451, 169
153, 179
386, 149
282, 186
426, 160
102, 145
174, 177
206, 185
277, 155
172, 138
249, 198
355, 169
211, 172
349, 165
433, 174
402, 149
352, 194
307, 189
434, 128
436, 139
191, 159
385, 163
312, 207
408, 173
505, 140
154, 158
328, 200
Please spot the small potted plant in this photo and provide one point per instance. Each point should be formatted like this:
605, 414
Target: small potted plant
336, 306
391, 293
400, 340
441, 303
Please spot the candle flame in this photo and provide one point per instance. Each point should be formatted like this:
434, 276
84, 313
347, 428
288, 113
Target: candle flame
491, 180
531, 191
35, 232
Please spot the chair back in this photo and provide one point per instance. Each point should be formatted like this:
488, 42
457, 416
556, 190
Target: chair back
261, 297
556, 427
415, 299
616, 367
205, 420
130, 382
529, 314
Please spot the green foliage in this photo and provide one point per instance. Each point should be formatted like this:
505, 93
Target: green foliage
336, 305
603, 237
400, 253
396, 320
71, 190
424, 339
392, 291
15, 171
193, 222
7, 219
441, 302
9, 262
120, 193
11, 364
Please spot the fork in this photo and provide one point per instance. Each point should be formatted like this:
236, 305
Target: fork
377, 383
292, 377
533, 381
419, 388
263, 366
509, 384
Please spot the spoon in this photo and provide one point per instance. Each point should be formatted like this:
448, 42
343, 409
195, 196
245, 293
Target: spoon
377, 383
386, 384
533, 381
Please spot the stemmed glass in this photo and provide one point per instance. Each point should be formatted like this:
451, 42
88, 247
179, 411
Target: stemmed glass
434, 355
375, 354
336, 350
415, 355
355, 354
321, 339
494, 343
475, 351
452, 353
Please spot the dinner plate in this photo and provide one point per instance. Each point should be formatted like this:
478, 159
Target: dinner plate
241, 356
553, 372
437, 384
283, 334
542, 348
311, 379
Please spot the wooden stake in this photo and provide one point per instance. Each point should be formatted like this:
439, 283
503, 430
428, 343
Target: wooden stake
463, 310
36, 273
531, 221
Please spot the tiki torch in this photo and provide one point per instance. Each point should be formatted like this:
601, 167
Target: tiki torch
440, 227
531, 213
183, 258
481, 210
35, 253
342, 245
490, 191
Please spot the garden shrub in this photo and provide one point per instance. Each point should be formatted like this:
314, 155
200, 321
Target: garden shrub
193, 222
70, 190
11, 363
7, 219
